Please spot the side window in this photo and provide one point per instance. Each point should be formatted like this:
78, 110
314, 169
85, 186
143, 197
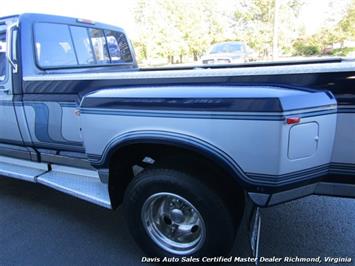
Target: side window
3, 63
54, 47
82, 45
118, 47
98, 41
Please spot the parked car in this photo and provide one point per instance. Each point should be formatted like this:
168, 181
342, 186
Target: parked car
184, 148
228, 53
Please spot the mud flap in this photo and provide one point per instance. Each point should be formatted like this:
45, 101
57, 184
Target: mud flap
254, 232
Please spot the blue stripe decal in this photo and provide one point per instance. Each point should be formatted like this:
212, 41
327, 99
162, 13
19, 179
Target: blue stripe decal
41, 122
160, 136
41, 127
291, 177
253, 104
94, 157
205, 115
342, 168
346, 109
251, 178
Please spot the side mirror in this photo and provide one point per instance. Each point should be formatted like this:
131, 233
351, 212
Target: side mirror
11, 36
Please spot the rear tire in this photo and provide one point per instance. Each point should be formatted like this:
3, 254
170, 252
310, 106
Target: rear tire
172, 213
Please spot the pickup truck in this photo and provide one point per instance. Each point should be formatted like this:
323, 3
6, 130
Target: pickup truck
183, 149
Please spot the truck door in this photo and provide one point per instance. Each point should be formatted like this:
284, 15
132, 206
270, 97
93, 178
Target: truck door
51, 109
10, 135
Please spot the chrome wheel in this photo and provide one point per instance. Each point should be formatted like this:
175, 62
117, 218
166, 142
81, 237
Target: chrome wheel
173, 223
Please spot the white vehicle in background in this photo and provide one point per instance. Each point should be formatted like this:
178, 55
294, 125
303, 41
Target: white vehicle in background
228, 53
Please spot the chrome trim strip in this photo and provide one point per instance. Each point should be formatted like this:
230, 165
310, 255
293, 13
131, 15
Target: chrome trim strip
194, 73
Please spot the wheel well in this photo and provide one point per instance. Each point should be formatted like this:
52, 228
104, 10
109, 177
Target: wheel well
129, 160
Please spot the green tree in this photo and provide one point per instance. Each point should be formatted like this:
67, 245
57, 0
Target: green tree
323, 41
183, 29
255, 21
173, 29
347, 24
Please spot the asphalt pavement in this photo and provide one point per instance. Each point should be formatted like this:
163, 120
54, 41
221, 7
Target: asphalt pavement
40, 226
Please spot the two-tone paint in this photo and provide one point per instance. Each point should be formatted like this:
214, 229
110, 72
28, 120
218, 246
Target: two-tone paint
235, 115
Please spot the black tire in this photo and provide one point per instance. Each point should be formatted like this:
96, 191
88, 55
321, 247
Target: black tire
220, 225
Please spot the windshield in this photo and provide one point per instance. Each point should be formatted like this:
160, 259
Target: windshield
2, 53
226, 48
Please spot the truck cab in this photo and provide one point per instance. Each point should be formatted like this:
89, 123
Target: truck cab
54, 133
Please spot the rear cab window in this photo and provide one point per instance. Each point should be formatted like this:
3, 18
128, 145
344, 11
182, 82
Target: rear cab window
54, 46
82, 45
62, 46
118, 47
99, 44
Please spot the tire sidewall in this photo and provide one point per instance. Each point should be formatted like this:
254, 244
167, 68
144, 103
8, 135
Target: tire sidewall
220, 230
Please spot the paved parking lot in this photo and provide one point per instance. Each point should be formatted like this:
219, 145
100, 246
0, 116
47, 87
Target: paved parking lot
39, 226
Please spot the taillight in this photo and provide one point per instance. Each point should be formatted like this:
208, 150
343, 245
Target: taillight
293, 120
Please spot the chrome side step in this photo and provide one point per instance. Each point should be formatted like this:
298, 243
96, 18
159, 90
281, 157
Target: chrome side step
21, 169
80, 183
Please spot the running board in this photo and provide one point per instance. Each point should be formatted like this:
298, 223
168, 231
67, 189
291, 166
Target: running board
21, 169
80, 183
